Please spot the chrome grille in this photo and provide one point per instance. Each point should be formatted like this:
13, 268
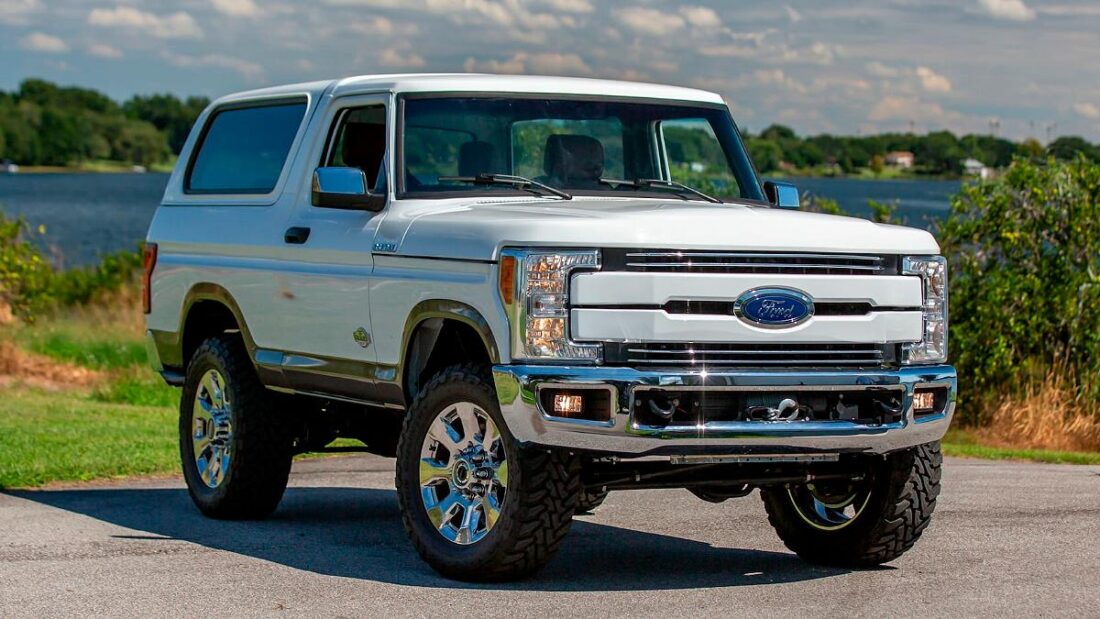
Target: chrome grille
658, 260
750, 355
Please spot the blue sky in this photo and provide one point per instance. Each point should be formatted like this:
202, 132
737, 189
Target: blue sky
859, 66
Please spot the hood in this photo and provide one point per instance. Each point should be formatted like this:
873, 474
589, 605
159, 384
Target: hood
476, 230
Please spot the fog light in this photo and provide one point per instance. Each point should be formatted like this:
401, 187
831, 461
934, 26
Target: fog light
566, 404
924, 401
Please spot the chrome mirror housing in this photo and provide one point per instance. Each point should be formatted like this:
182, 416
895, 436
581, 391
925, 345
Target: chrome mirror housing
782, 195
346, 188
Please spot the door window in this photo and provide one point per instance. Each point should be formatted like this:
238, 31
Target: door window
359, 141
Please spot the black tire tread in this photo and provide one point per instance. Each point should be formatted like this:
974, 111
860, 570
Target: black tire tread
903, 514
262, 447
590, 500
541, 517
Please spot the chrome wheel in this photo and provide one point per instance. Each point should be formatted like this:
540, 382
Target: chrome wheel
463, 473
212, 429
830, 506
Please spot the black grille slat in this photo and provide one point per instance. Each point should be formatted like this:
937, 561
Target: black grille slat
751, 355
670, 261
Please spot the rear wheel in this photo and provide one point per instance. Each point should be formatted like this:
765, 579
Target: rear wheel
860, 522
475, 504
235, 445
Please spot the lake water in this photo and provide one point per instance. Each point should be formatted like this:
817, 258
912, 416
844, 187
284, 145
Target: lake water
87, 215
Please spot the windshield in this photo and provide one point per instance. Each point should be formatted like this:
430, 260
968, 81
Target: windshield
585, 147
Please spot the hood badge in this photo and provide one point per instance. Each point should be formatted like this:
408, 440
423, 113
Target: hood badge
361, 337
774, 308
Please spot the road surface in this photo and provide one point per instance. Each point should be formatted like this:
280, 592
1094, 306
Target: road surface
1007, 539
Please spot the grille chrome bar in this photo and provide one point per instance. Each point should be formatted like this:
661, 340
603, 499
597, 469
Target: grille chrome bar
750, 355
690, 264
816, 263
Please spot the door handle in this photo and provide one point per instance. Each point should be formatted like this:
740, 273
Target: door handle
296, 235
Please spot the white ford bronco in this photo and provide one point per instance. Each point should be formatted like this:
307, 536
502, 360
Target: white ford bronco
533, 291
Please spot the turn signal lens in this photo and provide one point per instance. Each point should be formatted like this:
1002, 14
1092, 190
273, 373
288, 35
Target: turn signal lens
508, 279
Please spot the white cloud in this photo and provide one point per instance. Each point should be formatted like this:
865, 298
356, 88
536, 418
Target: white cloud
1014, 10
401, 60
104, 51
906, 109
649, 21
571, 6
178, 25
247, 69
932, 81
878, 69
701, 16
236, 8
792, 14
17, 11
45, 43
1087, 110
522, 62
1069, 10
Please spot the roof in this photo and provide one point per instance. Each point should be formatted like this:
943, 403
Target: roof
475, 82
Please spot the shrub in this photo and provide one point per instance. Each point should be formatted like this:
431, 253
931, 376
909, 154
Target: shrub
1024, 252
29, 284
25, 277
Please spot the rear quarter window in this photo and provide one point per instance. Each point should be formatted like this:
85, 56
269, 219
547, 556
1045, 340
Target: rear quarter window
243, 149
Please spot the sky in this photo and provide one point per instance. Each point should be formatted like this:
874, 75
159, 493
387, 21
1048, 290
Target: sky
1017, 68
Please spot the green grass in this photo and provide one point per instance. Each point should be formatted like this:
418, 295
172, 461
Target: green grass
48, 437
961, 443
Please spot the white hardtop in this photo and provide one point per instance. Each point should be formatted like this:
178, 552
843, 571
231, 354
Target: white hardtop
480, 83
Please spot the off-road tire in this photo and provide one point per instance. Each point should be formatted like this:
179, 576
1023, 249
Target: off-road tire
543, 489
899, 509
590, 500
262, 442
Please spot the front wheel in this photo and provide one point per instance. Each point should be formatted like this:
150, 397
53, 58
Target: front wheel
475, 504
860, 522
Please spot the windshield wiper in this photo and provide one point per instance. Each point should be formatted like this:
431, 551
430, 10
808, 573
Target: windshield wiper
522, 182
659, 183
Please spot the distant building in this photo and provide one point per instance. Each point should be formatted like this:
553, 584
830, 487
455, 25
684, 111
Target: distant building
973, 167
900, 159
8, 167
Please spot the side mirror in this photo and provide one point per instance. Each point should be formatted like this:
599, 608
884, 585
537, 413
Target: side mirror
344, 188
782, 195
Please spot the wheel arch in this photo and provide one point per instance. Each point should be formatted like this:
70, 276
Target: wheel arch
209, 309
439, 333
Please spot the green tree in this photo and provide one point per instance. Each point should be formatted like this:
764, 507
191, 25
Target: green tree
1024, 253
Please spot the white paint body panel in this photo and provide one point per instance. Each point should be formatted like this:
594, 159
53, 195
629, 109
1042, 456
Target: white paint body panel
310, 299
613, 325
660, 288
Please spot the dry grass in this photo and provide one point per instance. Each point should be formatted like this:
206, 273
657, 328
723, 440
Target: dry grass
1046, 416
19, 367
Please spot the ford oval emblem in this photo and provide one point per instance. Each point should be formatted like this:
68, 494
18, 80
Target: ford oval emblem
774, 308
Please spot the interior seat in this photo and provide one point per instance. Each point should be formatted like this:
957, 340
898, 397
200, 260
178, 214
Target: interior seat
573, 160
364, 147
475, 158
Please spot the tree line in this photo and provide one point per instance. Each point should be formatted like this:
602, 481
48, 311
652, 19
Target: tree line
42, 123
45, 124
936, 153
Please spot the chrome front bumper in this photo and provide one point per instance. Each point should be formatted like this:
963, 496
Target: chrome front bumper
518, 387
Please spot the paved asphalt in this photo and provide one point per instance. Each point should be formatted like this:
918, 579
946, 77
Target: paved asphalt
1007, 539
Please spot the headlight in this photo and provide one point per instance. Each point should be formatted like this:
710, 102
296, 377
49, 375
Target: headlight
933, 347
534, 285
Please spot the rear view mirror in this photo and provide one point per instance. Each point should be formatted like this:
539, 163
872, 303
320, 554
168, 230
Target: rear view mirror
782, 195
344, 188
